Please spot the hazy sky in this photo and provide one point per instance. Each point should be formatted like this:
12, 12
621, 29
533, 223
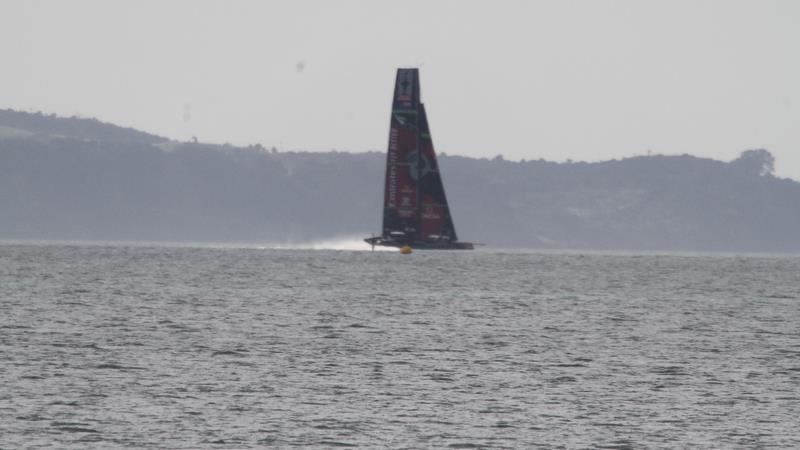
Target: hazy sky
585, 80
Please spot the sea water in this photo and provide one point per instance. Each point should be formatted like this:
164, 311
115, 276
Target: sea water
107, 346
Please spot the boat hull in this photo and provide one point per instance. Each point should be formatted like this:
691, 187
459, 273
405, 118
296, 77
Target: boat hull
420, 245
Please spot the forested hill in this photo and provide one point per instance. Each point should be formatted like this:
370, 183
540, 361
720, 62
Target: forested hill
49, 125
71, 178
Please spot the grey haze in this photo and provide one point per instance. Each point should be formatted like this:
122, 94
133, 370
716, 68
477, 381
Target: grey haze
582, 80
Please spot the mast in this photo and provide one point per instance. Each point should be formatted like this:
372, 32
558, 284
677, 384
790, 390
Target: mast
418, 145
401, 211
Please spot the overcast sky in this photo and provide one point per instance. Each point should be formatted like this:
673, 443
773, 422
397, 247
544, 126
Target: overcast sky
581, 80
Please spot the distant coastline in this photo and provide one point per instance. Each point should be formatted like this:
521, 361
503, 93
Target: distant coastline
85, 180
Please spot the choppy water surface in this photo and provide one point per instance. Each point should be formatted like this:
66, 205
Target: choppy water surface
111, 346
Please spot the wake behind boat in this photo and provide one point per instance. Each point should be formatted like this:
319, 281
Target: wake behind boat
415, 210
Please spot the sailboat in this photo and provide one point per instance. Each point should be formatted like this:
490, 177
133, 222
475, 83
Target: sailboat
415, 210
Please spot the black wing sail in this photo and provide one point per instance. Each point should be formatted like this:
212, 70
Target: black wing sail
415, 210
435, 220
400, 203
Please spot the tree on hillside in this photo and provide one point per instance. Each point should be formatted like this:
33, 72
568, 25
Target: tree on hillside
758, 162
